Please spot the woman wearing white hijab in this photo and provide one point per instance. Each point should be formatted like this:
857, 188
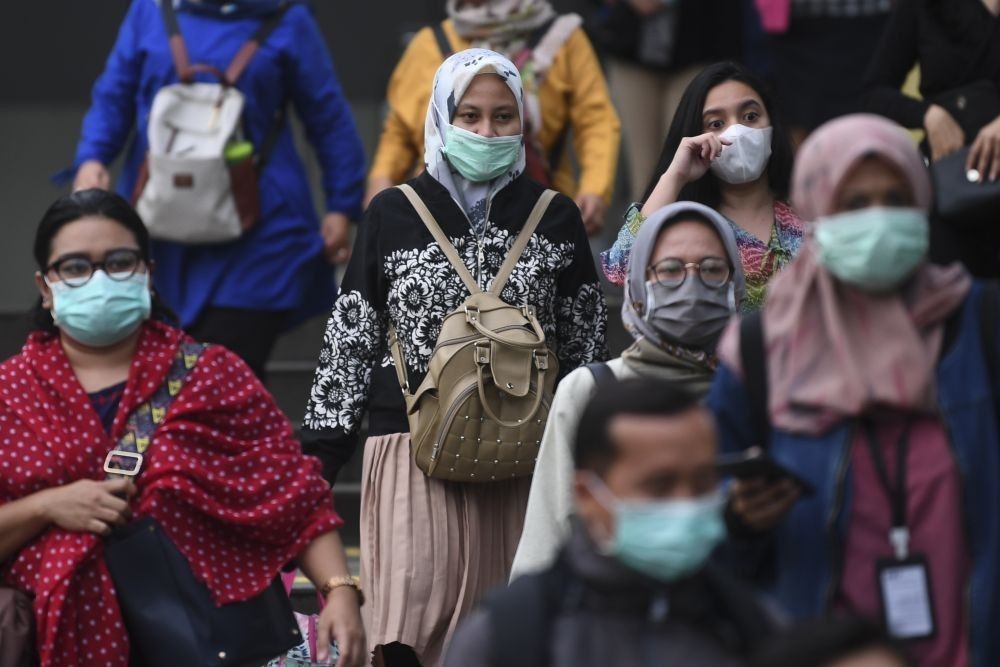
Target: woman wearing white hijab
430, 549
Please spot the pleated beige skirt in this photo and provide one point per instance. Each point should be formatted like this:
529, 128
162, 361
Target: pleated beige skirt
430, 549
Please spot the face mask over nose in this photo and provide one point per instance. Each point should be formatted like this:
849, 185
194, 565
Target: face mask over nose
875, 248
663, 539
480, 159
102, 311
746, 158
692, 315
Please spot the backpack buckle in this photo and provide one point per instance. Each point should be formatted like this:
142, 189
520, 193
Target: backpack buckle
482, 352
471, 314
541, 358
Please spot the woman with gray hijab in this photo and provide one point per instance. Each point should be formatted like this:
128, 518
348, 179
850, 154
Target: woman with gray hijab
684, 282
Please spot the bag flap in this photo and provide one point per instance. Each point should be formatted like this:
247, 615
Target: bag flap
511, 369
188, 120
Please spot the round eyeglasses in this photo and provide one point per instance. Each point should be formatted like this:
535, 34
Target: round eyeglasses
76, 270
672, 272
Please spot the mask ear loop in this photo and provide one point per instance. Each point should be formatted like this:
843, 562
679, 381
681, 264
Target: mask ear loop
606, 499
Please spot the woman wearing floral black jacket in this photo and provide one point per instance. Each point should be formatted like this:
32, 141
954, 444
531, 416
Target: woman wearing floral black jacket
431, 548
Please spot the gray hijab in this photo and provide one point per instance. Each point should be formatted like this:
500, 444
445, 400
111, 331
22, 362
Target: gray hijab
642, 250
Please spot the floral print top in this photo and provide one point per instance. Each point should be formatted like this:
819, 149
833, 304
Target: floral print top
761, 261
400, 279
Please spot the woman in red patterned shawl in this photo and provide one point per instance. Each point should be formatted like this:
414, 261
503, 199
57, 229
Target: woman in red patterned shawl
223, 475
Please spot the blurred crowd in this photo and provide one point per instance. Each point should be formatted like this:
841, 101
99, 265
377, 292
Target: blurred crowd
796, 461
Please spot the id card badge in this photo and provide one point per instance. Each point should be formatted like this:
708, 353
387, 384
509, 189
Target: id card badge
907, 607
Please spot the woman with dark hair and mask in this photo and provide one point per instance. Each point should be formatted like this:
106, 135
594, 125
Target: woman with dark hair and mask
222, 474
726, 149
684, 283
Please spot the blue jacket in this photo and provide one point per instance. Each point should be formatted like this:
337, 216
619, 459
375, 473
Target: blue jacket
801, 569
278, 265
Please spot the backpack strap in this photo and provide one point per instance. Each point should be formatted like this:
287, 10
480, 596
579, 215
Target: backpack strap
144, 419
602, 373
753, 356
444, 46
522, 616
446, 247
178, 49
182, 61
242, 58
523, 238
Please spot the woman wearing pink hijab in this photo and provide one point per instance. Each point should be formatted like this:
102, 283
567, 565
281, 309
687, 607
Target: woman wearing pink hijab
878, 389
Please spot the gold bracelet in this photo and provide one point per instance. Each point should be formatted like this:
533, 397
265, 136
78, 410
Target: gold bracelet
337, 582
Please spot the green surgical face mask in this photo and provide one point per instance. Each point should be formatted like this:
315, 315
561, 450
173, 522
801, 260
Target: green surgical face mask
663, 539
480, 159
875, 248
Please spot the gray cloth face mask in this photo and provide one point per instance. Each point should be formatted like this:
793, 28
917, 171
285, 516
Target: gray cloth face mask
692, 315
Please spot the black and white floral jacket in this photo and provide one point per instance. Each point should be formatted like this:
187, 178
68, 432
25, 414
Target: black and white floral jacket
399, 275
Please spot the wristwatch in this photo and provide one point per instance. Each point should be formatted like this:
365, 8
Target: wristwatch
337, 582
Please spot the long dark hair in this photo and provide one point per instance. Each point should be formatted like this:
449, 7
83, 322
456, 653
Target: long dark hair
83, 204
687, 122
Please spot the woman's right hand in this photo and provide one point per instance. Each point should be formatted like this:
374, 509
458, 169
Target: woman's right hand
694, 156
944, 134
89, 506
691, 161
91, 174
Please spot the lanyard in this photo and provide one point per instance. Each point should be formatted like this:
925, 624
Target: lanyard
899, 534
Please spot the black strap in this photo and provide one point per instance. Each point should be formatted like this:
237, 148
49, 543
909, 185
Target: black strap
444, 46
753, 357
271, 138
521, 616
897, 491
989, 321
602, 373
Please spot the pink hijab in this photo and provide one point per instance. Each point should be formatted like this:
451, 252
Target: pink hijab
834, 351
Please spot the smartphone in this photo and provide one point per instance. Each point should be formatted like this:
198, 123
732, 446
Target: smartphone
754, 462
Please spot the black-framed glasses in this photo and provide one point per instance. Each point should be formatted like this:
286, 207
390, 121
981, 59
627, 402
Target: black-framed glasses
77, 270
672, 272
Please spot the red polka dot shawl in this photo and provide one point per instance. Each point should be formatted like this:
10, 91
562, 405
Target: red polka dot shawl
224, 477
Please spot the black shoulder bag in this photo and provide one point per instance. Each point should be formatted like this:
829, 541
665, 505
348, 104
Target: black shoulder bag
169, 614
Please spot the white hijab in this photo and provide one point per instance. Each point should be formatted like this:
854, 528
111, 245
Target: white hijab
450, 83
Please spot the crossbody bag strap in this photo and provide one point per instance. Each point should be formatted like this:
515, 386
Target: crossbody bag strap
446, 247
521, 242
125, 460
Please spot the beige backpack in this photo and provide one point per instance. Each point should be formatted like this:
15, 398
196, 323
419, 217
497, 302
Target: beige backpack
480, 412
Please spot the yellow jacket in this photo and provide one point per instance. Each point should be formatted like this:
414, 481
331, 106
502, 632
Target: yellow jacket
573, 96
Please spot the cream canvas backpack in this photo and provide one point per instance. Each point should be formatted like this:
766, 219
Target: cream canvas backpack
480, 412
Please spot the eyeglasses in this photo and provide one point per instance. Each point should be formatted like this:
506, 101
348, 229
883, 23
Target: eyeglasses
672, 272
76, 271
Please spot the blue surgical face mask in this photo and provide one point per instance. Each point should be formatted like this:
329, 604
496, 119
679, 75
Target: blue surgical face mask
480, 159
875, 248
102, 311
663, 539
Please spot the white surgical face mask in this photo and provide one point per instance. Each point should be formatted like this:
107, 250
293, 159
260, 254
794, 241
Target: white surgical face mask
746, 158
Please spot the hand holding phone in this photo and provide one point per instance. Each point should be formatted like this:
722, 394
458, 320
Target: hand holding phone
755, 463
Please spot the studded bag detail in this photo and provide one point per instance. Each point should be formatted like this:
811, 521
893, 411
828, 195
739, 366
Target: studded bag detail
479, 414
